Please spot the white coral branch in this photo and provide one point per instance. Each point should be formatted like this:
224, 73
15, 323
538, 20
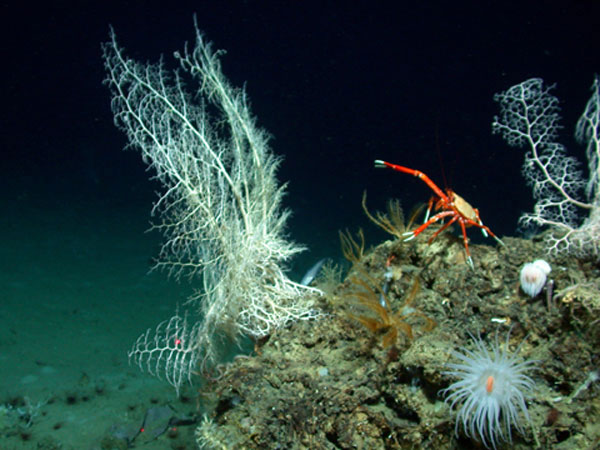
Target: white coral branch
529, 117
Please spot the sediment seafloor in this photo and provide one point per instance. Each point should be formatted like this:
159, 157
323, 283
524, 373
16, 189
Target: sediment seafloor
364, 378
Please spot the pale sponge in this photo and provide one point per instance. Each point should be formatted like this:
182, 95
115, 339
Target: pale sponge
533, 277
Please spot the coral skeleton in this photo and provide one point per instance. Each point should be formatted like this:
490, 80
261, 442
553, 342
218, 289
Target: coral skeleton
220, 210
566, 203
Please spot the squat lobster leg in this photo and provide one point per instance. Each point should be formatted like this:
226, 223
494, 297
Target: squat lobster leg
452, 205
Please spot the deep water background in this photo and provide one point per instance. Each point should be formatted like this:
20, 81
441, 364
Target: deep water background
336, 84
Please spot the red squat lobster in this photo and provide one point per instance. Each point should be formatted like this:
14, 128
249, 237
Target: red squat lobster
451, 204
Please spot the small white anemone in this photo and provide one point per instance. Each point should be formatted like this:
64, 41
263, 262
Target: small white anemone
533, 277
490, 391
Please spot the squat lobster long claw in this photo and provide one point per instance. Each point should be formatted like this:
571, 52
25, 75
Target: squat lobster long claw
452, 205
417, 173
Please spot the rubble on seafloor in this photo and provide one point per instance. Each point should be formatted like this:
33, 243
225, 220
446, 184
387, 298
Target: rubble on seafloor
338, 382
